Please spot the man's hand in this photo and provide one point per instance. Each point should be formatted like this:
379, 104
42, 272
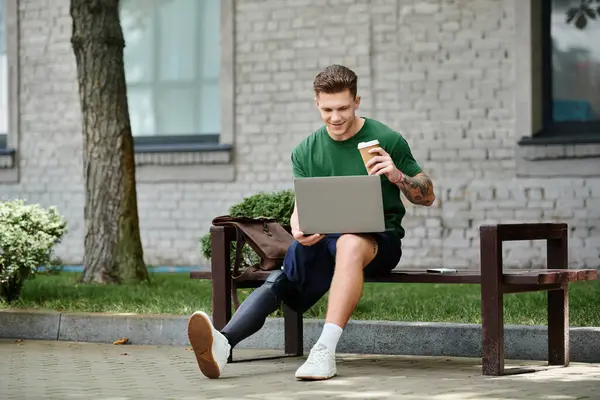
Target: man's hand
306, 240
298, 234
417, 189
383, 164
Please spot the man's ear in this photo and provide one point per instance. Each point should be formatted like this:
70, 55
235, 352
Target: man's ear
356, 102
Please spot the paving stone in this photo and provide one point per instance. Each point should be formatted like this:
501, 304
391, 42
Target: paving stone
69, 370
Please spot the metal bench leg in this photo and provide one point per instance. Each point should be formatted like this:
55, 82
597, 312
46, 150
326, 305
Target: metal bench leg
492, 303
294, 338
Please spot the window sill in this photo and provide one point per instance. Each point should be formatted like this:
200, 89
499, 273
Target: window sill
565, 139
559, 148
558, 156
184, 162
182, 154
179, 147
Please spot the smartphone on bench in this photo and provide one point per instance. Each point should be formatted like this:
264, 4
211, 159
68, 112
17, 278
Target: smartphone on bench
442, 270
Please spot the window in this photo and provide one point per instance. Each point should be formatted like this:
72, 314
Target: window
172, 64
571, 70
557, 79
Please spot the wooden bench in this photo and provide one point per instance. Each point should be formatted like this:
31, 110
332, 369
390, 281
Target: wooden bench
495, 283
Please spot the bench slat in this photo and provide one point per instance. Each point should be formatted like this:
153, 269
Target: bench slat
535, 231
400, 276
512, 277
549, 276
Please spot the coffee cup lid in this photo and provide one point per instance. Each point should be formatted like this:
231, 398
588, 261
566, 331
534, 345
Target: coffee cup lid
362, 145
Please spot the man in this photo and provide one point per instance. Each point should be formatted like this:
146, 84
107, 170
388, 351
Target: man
317, 263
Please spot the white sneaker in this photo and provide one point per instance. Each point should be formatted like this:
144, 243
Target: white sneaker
210, 346
319, 365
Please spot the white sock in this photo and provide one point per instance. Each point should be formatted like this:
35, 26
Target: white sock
330, 336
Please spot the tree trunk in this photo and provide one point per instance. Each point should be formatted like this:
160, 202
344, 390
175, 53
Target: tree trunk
113, 248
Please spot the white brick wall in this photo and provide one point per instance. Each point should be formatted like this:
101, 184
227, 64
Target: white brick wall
441, 72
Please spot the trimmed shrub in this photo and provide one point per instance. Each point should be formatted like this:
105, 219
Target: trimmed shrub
28, 234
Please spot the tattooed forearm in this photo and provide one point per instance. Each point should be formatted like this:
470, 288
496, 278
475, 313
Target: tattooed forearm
418, 189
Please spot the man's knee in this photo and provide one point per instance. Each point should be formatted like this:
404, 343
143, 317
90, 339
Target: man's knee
278, 283
283, 289
359, 247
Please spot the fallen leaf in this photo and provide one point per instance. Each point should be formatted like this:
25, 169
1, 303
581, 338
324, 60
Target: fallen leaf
18, 341
124, 354
189, 349
121, 341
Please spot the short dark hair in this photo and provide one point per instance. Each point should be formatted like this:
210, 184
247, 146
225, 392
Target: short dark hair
334, 79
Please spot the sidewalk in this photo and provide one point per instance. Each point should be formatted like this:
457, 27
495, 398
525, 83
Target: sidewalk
67, 370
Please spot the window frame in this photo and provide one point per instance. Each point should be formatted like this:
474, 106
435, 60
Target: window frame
178, 143
10, 138
551, 132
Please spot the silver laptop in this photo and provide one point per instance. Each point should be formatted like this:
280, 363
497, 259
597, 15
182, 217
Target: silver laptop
339, 204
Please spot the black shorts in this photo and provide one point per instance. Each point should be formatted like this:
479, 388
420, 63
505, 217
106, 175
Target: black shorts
311, 267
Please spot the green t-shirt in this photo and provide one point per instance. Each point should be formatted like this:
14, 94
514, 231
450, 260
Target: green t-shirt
319, 155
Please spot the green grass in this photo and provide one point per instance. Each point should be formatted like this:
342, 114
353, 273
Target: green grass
178, 294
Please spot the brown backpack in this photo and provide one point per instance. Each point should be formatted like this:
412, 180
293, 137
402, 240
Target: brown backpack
269, 240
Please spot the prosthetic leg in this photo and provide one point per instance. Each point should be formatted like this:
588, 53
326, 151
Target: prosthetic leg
253, 312
311, 270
